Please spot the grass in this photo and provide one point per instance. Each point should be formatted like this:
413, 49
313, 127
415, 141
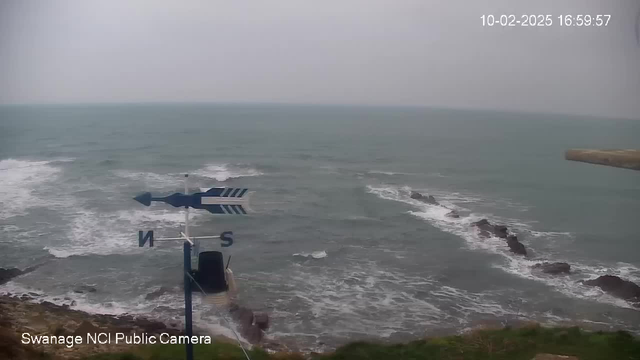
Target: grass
504, 344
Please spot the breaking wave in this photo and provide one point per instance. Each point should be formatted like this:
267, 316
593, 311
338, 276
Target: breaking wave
224, 172
314, 255
20, 180
93, 233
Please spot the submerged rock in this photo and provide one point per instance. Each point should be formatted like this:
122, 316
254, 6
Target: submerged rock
553, 268
617, 287
452, 214
157, 293
84, 289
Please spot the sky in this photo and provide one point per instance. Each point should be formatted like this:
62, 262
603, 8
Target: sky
370, 52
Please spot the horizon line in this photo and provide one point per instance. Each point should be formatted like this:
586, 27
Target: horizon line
292, 104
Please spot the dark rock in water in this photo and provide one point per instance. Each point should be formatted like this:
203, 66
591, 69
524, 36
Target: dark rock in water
428, 199
452, 214
253, 334
8, 274
262, 321
516, 246
487, 229
617, 287
251, 325
157, 293
501, 231
84, 289
554, 268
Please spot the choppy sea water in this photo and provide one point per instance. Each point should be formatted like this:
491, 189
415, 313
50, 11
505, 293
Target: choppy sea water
335, 249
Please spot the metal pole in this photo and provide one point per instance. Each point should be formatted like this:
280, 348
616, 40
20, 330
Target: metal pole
187, 299
186, 215
188, 308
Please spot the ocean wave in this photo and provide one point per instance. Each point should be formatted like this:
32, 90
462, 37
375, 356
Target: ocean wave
93, 233
20, 180
548, 234
151, 179
224, 172
314, 255
513, 264
338, 302
390, 173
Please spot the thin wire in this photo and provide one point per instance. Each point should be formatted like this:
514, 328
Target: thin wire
223, 317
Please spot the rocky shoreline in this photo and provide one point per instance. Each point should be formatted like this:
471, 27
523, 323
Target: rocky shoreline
24, 314
19, 315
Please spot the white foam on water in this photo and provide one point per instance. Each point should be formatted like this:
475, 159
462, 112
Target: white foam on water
548, 234
151, 179
164, 217
20, 180
83, 303
341, 302
94, 233
390, 173
224, 172
97, 233
513, 264
9, 228
315, 255
620, 269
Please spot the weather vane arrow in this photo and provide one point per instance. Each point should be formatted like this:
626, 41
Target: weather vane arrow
215, 200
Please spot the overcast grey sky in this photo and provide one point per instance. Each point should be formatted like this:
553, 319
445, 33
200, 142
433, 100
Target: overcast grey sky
384, 52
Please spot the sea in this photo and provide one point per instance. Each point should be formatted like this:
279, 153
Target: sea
334, 249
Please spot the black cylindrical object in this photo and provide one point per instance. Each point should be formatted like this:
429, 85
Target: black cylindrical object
210, 273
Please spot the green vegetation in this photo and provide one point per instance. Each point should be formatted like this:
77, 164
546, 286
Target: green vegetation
505, 344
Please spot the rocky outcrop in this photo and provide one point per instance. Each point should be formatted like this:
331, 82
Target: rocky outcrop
428, 199
617, 287
487, 229
8, 274
452, 214
262, 320
252, 326
553, 268
516, 246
